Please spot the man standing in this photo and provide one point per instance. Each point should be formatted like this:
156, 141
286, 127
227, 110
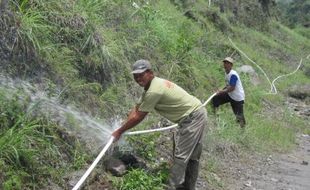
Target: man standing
178, 106
233, 92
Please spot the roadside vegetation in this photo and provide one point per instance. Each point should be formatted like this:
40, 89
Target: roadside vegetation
81, 52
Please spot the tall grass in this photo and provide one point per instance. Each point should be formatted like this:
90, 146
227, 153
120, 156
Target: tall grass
31, 147
261, 134
86, 48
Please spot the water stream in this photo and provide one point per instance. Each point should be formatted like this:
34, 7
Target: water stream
94, 132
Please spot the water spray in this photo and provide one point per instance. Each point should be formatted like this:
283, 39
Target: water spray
106, 147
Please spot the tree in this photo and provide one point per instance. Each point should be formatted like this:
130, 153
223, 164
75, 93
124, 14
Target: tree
298, 13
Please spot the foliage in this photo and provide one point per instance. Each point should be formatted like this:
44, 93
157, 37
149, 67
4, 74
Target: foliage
253, 14
83, 51
303, 31
31, 146
138, 179
146, 146
295, 13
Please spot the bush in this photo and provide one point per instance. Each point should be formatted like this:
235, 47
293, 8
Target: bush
139, 179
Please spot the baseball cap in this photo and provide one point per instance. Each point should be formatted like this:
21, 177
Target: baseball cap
140, 66
229, 59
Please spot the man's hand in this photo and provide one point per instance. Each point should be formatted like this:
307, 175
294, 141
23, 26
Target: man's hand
134, 118
117, 134
227, 89
219, 92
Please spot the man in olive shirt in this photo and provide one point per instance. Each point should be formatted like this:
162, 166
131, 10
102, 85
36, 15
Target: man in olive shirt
175, 104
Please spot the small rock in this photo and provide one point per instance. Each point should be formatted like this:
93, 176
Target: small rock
132, 161
274, 180
251, 72
269, 160
115, 166
248, 183
216, 177
304, 163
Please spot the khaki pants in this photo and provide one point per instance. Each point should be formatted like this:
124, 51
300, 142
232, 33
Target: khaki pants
188, 148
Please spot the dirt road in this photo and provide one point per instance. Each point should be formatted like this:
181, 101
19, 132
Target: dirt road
290, 171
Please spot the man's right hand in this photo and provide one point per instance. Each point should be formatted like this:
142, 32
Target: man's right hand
134, 118
117, 135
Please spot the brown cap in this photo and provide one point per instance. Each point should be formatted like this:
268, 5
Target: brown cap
229, 59
140, 66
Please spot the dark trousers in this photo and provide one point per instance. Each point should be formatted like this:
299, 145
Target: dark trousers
237, 106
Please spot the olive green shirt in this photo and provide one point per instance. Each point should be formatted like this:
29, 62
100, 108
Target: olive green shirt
168, 99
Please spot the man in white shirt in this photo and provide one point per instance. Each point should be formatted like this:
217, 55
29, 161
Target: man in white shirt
233, 92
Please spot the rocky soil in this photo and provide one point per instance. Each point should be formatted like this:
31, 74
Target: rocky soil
239, 171
290, 171
279, 171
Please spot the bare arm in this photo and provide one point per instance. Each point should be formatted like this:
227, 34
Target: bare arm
226, 90
133, 119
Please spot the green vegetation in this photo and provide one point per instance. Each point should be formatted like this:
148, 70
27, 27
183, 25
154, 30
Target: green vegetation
31, 147
81, 53
138, 179
295, 13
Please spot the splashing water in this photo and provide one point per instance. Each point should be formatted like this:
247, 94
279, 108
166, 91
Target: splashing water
93, 132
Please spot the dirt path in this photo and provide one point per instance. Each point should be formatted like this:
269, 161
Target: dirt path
289, 171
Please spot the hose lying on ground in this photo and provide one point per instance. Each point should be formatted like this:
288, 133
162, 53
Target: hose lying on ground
107, 146
273, 89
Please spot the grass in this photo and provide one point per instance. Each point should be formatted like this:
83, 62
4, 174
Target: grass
31, 148
84, 51
271, 136
267, 129
138, 179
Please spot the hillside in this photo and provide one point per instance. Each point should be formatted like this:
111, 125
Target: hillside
65, 84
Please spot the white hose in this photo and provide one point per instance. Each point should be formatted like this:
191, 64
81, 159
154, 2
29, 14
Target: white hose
151, 130
77, 186
274, 87
245, 55
208, 100
107, 146
169, 127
